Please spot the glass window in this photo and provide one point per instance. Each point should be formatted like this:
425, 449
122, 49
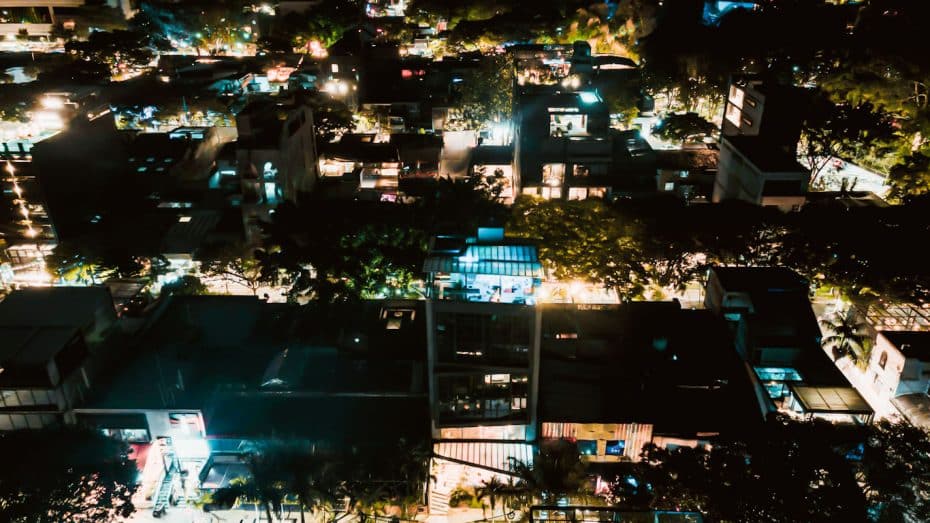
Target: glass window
615, 447
553, 174
580, 171
669, 186
577, 193
587, 447
10, 399
883, 360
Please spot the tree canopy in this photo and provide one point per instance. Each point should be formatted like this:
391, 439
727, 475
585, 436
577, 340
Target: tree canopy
54, 475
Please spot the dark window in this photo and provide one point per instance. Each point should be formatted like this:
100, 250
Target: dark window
587, 447
615, 447
882, 360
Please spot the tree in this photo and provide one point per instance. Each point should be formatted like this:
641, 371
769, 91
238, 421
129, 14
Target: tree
829, 130
70, 475
583, 240
790, 471
117, 50
846, 337
232, 264
682, 127
494, 490
910, 178
486, 93
331, 118
186, 285
895, 471
264, 485
557, 473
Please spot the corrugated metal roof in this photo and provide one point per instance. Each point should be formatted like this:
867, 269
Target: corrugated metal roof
503, 260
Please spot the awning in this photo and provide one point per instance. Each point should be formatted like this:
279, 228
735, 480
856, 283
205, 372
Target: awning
836, 400
497, 456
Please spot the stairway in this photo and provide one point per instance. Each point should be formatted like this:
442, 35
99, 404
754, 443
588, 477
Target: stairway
166, 487
438, 503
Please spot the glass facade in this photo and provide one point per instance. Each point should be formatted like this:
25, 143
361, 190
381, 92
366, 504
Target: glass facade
482, 397
485, 339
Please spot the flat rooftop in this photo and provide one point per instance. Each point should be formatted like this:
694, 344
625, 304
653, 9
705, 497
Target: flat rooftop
642, 362
74, 307
765, 156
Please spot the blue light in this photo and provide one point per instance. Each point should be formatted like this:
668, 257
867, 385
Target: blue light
588, 97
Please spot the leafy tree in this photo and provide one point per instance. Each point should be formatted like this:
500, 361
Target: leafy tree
681, 127
186, 285
792, 471
70, 475
264, 485
582, 240
331, 118
895, 471
486, 93
846, 337
830, 130
557, 472
910, 178
232, 264
117, 50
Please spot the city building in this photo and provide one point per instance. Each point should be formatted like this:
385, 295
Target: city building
50, 350
494, 164
899, 372
774, 329
208, 376
758, 145
754, 171
763, 109
27, 230
561, 139
483, 358
276, 156
487, 267
614, 378
687, 173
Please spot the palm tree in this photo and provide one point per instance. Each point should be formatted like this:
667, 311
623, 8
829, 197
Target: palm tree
846, 337
557, 472
493, 490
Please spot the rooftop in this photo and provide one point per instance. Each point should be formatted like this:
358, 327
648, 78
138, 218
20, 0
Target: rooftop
642, 362
72, 307
834, 400
765, 156
760, 279
26, 351
488, 253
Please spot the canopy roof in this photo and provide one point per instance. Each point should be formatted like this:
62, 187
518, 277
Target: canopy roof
837, 400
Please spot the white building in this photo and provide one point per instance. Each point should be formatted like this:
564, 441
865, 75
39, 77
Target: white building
752, 170
899, 369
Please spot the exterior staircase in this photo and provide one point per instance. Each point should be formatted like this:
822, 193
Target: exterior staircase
438, 503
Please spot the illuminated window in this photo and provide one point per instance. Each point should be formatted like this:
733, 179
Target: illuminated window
335, 68
615, 447
553, 174
587, 447
577, 193
184, 219
669, 186
747, 121
552, 193
580, 171
733, 114
736, 96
